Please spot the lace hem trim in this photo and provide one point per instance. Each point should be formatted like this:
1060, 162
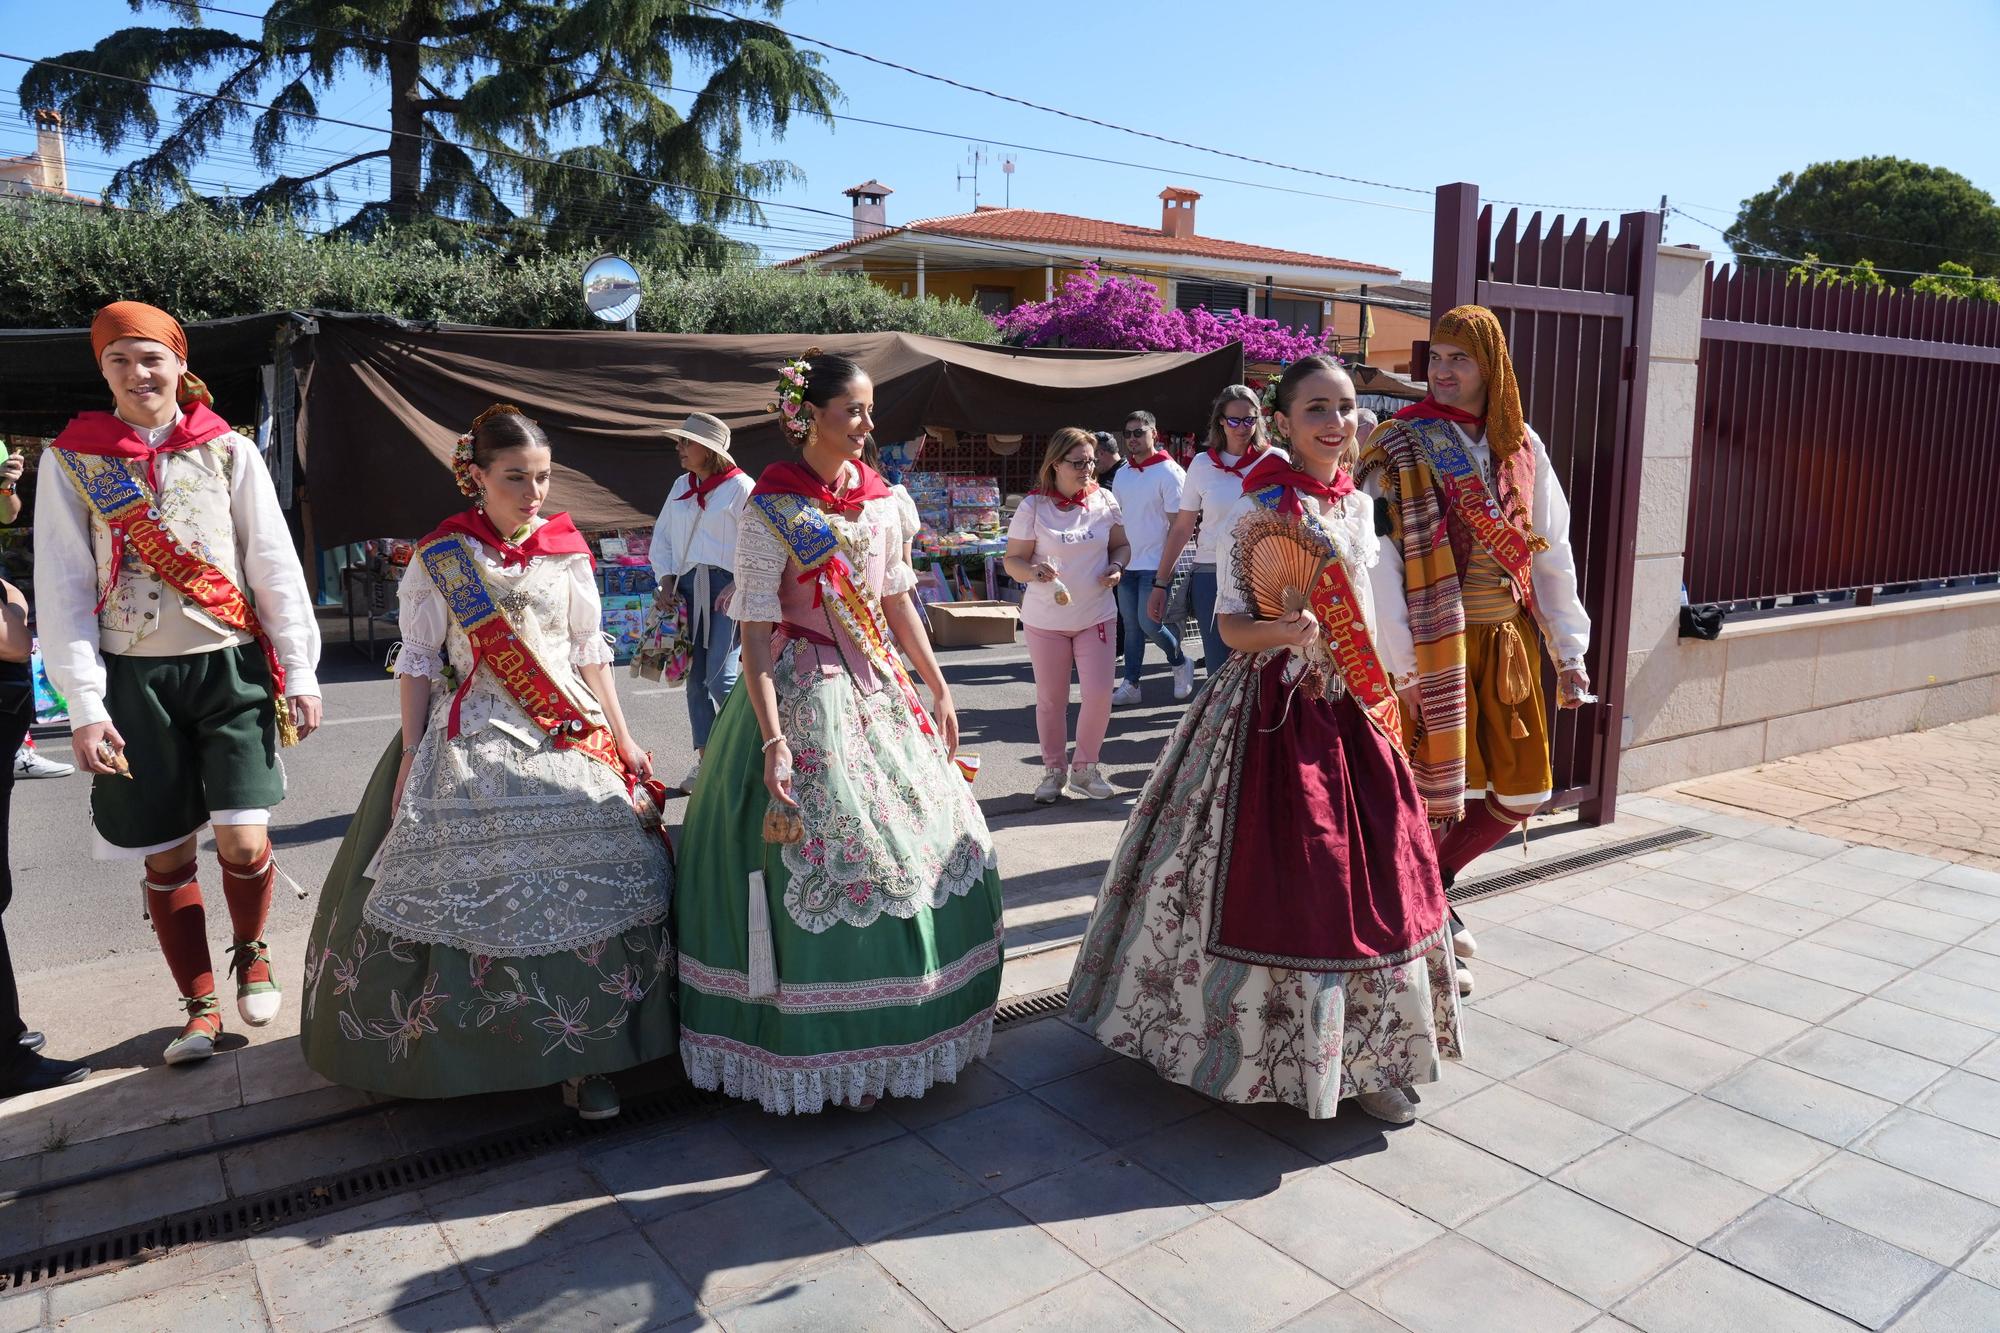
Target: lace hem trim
413, 659
805, 1085
403, 930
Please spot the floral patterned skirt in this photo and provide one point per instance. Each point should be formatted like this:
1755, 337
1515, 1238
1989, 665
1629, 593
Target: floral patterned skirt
1147, 986
881, 928
410, 1019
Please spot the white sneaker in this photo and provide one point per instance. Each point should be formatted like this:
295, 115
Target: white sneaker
1052, 785
1389, 1104
1464, 979
1126, 693
30, 764
687, 783
1184, 678
1086, 782
1462, 942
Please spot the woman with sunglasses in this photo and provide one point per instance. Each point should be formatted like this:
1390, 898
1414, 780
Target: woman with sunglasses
1067, 546
1236, 443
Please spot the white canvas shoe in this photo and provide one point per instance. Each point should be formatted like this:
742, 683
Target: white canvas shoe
33, 764
1184, 678
1126, 693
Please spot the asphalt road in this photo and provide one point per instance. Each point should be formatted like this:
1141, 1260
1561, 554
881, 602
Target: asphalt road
70, 909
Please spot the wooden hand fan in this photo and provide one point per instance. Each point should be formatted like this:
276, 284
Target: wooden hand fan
1279, 563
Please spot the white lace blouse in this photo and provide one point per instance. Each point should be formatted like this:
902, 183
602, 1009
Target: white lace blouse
426, 620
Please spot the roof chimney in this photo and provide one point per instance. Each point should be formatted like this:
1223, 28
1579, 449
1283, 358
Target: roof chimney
1177, 211
869, 213
49, 149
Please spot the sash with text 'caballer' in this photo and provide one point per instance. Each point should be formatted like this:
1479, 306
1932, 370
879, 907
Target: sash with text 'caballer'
1444, 449
454, 571
116, 497
803, 529
1347, 639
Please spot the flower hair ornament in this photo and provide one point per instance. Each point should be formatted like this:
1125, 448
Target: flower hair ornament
462, 453
790, 403
1268, 401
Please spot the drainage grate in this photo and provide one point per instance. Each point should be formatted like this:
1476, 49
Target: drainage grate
1488, 886
294, 1203
257, 1213
1028, 1008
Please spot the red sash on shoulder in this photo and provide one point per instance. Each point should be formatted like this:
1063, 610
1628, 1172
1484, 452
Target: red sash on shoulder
1353, 649
1474, 504
116, 497
1333, 600
454, 571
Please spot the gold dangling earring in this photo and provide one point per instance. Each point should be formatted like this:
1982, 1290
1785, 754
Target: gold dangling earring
479, 501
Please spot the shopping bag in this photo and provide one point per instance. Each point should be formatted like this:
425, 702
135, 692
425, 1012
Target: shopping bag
665, 645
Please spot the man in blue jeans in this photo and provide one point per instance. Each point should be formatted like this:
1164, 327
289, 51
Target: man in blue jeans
1148, 490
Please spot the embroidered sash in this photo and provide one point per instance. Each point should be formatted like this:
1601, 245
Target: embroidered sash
1347, 639
803, 529
454, 571
116, 497
1444, 449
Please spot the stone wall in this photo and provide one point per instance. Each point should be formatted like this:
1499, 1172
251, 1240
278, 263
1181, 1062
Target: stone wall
1782, 686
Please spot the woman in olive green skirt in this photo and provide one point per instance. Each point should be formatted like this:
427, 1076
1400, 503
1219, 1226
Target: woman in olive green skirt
848, 948
496, 916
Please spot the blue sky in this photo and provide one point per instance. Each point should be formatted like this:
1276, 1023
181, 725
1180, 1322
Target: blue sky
1603, 105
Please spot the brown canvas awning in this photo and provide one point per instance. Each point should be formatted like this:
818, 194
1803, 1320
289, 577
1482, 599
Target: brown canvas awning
385, 402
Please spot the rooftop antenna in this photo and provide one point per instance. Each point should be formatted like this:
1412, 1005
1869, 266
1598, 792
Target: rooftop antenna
975, 155
1007, 169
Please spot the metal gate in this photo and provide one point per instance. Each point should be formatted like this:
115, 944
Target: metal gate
1577, 306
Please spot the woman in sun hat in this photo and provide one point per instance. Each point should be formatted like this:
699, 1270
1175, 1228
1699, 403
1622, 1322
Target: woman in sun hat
694, 556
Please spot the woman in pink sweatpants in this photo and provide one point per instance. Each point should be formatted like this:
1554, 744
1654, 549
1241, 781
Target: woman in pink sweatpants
1067, 545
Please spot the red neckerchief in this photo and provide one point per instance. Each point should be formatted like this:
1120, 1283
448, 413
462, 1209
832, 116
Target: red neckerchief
558, 536
1243, 460
1077, 501
698, 489
1157, 456
1275, 471
1431, 407
790, 478
107, 435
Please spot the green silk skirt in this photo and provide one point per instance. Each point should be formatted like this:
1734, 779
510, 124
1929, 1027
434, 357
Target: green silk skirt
413, 1019
862, 961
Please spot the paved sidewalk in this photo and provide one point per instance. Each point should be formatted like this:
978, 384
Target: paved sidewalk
1745, 1083
1935, 793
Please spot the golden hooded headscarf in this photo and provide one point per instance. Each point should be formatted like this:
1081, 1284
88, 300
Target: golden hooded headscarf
1477, 330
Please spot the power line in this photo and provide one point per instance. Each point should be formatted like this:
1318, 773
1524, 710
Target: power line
997, 247
1112, 125
1773, 257
462, 44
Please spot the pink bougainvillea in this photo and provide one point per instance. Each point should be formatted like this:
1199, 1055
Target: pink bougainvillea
1125, 314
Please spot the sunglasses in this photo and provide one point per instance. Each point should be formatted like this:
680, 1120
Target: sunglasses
1138, 434
1241, 423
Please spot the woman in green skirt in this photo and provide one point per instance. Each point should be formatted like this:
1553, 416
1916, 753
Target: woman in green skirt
838, 909
496, 916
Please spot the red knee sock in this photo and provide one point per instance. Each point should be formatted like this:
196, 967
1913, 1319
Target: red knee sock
1484, 827
173, 900
248, 889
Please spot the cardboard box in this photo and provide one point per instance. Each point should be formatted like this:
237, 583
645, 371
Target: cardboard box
967, 624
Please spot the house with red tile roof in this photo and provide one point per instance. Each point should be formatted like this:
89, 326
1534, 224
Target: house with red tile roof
997, 258
46, 170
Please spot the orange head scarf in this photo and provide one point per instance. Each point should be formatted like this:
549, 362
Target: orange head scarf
136, 319
1477, 330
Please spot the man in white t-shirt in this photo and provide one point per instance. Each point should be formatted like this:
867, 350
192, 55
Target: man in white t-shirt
1148, 489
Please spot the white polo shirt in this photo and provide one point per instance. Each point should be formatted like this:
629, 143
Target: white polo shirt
1149, 497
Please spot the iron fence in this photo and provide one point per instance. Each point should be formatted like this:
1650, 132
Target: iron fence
1843, 440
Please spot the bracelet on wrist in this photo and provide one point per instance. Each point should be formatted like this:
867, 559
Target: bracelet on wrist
774, 740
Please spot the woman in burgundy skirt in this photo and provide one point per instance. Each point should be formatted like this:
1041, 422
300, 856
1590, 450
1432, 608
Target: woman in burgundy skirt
1272, 927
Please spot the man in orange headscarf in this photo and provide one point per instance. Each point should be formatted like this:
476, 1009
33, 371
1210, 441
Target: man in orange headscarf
1476, 568
175, 618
